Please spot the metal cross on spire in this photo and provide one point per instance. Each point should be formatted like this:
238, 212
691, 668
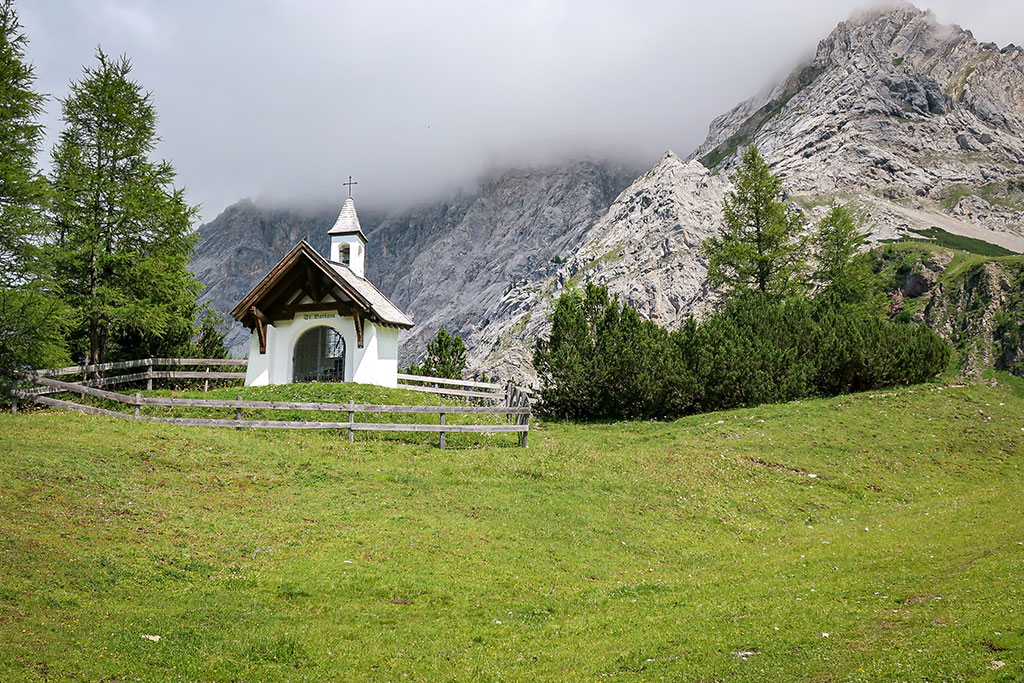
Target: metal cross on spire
349, 184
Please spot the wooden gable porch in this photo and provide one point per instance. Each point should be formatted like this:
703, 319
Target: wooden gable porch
302, 273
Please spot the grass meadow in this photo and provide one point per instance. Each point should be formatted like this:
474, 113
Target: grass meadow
860, 538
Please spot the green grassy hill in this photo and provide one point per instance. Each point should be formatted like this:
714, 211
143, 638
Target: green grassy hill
863, 538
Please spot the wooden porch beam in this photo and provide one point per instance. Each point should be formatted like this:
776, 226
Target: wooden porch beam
261, 321
357, 317
282, 292
314, 288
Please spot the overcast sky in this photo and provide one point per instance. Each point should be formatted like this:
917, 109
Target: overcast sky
281, 100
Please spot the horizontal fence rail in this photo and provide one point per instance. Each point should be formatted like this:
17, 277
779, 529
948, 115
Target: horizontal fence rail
141, 363
515, 408
450, 382
287, 424
487, 391
463, 393
148, 373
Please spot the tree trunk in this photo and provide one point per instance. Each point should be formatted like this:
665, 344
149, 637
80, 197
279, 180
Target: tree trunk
94, 323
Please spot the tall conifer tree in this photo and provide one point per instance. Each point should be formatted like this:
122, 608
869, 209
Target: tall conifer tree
31, 324
124, 230
760, 248
843, 273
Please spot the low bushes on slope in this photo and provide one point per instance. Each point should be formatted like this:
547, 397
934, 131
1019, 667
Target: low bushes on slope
602, 360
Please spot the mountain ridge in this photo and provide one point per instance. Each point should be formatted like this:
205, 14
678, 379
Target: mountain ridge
445, 263
914, 122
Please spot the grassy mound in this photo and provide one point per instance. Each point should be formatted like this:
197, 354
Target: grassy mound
320, 392
947, 240
327, 392
868, 537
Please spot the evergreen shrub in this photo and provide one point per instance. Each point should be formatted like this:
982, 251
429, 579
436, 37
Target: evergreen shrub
603, 360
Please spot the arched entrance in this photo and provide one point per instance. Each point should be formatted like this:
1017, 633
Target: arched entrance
319, 356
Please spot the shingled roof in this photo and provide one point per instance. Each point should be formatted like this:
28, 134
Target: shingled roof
304, 268
348, 221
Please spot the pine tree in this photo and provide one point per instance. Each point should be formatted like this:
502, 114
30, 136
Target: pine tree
31, 315
211, 331
446, 356
843, 274
760, 248
124, 231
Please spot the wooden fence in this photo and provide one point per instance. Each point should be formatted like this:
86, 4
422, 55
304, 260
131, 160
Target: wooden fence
144, 370
487, 391
516, 409
110, 374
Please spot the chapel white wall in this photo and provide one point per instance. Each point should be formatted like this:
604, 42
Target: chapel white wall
356, 251
375, 363
258, 371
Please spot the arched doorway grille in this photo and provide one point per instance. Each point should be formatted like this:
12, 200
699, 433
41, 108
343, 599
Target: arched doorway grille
319, 356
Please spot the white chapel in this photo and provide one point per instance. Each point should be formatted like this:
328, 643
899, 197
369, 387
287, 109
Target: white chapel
319, 319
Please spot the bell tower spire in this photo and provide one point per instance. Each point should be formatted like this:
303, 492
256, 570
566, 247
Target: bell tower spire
348, 243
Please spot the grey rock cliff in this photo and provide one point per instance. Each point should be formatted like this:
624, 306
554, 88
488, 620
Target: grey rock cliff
917, 123
646, 250
896, 107
450, 264
445, 264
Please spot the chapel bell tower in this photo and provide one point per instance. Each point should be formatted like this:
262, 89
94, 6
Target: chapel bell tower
348, 243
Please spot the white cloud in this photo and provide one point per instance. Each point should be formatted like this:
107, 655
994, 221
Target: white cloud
133, 17
285, 98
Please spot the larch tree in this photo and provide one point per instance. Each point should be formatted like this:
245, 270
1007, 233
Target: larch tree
760, 248
124, 231
31, 315
843, 274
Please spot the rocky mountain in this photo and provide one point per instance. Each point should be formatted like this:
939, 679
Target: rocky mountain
447, 263
645, 250
917, 123
976, 303
894, 106
450, 264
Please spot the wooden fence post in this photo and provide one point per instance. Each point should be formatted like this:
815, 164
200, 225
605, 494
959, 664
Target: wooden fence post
521, 400
138, 398
351, 420
238, 412
442, 433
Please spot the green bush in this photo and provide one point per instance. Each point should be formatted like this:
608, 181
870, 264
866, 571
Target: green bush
757, 350
604, 361
446, 357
